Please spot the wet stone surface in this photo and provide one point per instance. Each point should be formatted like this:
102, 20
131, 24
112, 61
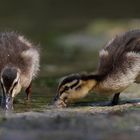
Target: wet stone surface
119, 122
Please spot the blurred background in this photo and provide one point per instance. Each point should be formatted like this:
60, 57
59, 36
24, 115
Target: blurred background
69, 32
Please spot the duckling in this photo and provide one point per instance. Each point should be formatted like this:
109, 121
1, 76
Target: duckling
118, 68
19, 64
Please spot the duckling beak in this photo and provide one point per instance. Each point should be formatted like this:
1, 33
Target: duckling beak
60, 103
7, 103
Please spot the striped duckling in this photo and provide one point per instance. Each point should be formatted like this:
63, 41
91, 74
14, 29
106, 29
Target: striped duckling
118, 68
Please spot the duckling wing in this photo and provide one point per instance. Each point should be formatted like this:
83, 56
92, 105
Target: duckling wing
120, 61
115, 55
31, 59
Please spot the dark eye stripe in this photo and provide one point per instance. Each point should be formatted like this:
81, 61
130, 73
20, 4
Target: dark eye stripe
68, 79
78, 87
2, 87
66, 88
72, 86
15, 84
11, 91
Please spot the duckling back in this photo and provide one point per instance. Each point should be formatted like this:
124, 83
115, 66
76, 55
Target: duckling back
120, 60
114, 54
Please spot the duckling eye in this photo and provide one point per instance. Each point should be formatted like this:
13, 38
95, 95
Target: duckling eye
66, 88
77, 88
15, 83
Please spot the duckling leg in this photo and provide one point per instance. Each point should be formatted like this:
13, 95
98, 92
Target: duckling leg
29, 91
115, 99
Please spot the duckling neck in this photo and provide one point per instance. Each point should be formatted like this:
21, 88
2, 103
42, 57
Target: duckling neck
107, 84
112, 84
90, 81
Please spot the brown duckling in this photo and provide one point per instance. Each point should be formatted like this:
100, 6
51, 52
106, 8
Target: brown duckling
19, 64
118, 68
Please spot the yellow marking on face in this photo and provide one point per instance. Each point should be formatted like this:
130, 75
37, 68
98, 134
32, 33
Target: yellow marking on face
78, 93
72, 83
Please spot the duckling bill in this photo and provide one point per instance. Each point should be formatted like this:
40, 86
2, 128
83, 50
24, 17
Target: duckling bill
19, 64
118, 68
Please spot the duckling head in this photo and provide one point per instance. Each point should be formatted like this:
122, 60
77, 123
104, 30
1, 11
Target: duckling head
72, 88
10, 84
